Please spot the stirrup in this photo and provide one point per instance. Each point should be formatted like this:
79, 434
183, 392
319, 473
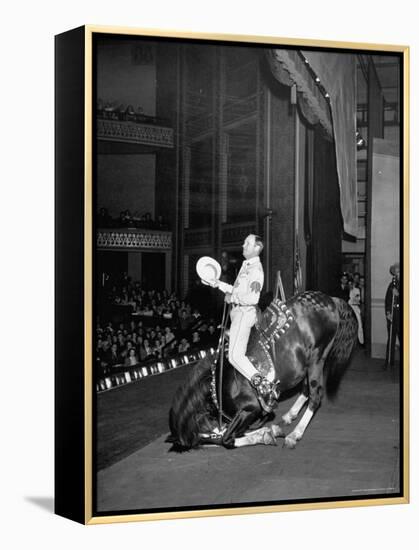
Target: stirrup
266, 391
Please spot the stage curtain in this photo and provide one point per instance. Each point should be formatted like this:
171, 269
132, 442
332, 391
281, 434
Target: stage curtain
337, 74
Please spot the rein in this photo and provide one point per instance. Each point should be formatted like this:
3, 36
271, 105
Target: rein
218, 400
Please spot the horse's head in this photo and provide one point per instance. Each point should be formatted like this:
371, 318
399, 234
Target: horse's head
191, 411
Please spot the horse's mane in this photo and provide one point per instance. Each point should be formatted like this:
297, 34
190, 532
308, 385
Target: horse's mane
191, 409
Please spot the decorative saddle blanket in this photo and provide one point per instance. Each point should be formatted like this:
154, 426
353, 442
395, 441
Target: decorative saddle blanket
274, 321
271, 325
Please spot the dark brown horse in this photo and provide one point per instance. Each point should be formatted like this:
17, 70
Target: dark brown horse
314, 351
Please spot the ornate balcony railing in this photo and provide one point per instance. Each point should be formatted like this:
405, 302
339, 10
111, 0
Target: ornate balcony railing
133, 239
135, 132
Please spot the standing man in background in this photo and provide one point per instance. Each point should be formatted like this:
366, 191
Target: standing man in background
392, 309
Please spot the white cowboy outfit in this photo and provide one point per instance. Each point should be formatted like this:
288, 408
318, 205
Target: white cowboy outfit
245, 295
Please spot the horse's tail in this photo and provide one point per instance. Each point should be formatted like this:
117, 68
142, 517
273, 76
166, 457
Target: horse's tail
191, 409
340, 354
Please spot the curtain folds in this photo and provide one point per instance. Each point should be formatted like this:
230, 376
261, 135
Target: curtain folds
337, 74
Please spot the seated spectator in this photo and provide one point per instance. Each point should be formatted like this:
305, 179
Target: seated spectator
167, 314
196, 315
113, 357
183, 346
160, 223
127, 349
103, 218
168, 335
147, 311
212, 336
120, 340
158, 347
149, 351
131, 358
146, 220
184, 320
196, 340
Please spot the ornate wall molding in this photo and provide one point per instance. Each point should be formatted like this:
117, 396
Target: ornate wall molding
134, 239
134, 132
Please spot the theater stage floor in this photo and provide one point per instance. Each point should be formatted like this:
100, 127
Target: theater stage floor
350, 449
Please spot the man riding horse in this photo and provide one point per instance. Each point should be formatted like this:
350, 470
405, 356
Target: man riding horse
244, 297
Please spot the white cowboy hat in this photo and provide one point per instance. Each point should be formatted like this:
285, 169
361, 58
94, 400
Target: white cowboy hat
208, 269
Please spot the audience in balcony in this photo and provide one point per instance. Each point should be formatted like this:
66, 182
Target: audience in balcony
113, 110
128, 220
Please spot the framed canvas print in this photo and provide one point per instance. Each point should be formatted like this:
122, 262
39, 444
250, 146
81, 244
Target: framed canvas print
231, 274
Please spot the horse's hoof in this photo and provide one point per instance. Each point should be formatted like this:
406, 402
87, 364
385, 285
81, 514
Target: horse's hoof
277, 430
268, 438
207, 440
287, 419
290, 442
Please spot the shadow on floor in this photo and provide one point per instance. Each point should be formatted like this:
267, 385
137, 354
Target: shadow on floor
46, 503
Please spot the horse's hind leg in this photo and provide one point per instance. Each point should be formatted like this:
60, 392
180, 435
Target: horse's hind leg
315, 387
294, 411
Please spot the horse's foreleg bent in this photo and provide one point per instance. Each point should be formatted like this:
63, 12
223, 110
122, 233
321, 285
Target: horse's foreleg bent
262, 436
292, 439
315, 381
294, 411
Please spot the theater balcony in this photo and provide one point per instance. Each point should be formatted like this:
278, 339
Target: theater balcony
148, 254
134, 239
119, 133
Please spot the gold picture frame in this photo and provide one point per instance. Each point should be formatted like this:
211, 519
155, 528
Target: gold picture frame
76, 250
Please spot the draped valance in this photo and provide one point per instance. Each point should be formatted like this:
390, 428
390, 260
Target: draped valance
337, 75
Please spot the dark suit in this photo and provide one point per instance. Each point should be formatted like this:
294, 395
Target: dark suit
112, 358
342, 292
392, 309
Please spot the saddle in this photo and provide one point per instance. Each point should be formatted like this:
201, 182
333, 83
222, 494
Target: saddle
270, 326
